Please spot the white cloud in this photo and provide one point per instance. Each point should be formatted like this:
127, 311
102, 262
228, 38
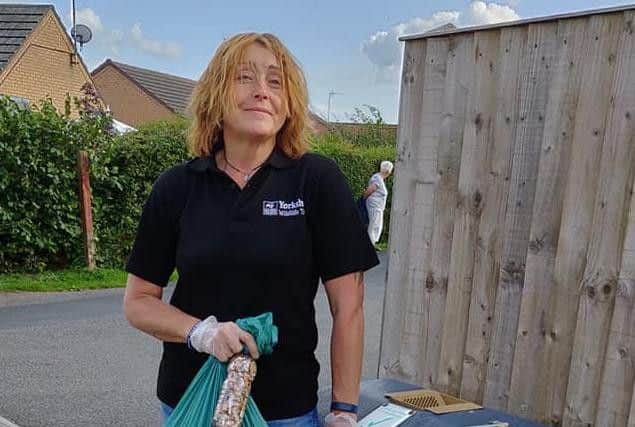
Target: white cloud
114, 40
384, 50
89, 17
481, 13
419, 25
154, 47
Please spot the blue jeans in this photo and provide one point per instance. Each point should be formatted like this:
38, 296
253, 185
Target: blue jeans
310, 419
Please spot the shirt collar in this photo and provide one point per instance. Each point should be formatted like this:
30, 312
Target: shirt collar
277, 159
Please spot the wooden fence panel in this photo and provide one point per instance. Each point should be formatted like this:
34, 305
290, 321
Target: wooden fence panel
416, 308
539, 58
511, 277
477, 141
530, 372
458, 82
408, 137
489, 246
576, 221
618, 371
605, 245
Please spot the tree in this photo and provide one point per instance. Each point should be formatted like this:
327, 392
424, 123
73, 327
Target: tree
372, 117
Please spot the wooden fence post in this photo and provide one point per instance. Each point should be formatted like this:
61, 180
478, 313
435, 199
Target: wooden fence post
86, 209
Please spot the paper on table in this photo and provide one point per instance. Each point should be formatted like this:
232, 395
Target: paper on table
386, 415
493, 424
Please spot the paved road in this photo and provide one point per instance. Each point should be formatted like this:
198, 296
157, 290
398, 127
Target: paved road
70, 359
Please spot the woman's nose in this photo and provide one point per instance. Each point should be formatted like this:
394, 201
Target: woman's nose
261, 90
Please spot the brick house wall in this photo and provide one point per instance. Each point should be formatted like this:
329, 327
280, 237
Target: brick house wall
42, 66
126, 100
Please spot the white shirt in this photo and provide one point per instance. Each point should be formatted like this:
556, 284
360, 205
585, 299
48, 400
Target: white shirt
377, 200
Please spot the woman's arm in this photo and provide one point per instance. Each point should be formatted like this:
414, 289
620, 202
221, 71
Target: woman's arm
369, 190
346, 300
144, 309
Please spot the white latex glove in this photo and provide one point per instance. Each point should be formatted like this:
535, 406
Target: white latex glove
340, 419
221, 339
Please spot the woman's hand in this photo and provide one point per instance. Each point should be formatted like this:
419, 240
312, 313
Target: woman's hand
369, 190
340, 419
221, 339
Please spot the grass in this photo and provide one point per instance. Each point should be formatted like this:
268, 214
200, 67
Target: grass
63, 280
382, 245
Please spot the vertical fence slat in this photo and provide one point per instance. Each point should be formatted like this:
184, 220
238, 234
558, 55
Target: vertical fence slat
408, 137
476, 140
416, 307
599, 280
529, 373
618, 377
533, 92
604, 256
495, 167
487, 260
616, 391
459, 68
576, 221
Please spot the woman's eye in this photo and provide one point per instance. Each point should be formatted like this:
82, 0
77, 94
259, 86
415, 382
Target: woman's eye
245, 77
275, 82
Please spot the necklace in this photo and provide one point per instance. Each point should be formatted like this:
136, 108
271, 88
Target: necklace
245, 175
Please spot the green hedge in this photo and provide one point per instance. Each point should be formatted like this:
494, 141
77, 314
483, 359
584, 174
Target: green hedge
39, 211
39, 206
358, 163
122, 173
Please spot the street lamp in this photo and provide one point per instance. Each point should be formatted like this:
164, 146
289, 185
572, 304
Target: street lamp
328, 113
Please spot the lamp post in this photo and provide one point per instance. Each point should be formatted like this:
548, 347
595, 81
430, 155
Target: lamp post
73, 25
328, 113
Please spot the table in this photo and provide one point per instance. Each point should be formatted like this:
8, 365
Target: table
372, 395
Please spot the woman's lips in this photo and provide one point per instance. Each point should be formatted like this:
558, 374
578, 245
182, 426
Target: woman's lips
258, 110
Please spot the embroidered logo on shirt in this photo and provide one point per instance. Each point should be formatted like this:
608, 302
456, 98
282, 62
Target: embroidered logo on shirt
282, 208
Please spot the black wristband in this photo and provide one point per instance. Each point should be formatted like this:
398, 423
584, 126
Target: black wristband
343, 407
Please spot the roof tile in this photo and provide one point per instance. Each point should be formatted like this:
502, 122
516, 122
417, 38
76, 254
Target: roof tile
16, 23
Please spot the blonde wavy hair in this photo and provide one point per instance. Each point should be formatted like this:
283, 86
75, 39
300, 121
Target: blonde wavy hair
215, 90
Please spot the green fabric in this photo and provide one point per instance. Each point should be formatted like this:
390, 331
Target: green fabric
196, 407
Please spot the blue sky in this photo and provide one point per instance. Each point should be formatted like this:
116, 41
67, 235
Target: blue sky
345, 46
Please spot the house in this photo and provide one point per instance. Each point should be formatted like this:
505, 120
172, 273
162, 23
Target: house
137, 95
37, 57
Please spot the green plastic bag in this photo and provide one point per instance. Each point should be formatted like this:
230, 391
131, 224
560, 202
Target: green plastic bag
196, 407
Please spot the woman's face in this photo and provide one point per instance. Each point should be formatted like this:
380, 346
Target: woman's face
259, 96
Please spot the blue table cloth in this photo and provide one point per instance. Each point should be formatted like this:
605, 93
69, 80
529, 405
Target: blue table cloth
372, 394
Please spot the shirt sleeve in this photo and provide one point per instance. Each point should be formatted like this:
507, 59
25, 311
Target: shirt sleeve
376, 180
341, 242
154, 250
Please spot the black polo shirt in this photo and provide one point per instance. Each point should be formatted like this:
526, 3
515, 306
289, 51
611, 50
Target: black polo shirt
243, 252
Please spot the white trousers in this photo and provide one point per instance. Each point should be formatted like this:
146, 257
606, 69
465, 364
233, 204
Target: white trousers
375, 224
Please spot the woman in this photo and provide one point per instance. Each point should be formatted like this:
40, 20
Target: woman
376, 195
251, 225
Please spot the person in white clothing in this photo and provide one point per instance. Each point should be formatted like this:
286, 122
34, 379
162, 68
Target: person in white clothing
376, 195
